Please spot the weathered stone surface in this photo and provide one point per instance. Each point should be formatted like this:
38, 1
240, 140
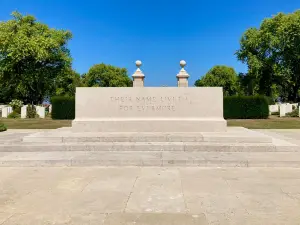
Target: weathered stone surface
133, 149
149, 196
232, 135
151, 158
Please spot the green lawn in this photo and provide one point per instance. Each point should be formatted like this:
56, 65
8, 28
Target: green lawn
273, 123
46, 123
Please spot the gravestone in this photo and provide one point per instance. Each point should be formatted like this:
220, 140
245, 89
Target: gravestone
282, 110
40, 110
6, 111
288, 108
24, 112
273, 109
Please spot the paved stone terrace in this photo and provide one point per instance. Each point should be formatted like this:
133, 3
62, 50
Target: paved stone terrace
145, 196
149, 196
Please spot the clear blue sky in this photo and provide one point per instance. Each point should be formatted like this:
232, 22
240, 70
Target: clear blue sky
160, 33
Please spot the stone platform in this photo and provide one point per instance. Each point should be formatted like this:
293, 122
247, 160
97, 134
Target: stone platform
231, 135
237, 147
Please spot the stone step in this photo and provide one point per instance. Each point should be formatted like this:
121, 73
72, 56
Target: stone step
163, 159
276, 146
233, 135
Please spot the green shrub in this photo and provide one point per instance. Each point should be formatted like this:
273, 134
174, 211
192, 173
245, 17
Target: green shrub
16, 105
270, 100
31, 112
294, 113
246, 107
275, 113
2, 127
63, 108
14, 115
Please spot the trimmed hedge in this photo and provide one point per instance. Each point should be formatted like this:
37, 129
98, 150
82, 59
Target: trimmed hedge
246, 107
63, 108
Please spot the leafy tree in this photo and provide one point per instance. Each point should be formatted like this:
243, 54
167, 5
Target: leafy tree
6, 93
272, 53
66, 83
220, 76
247, 84
102, 75
32, 55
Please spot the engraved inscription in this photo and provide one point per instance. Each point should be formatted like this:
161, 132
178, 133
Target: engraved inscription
148, 103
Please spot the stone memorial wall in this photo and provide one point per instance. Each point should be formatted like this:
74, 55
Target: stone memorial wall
149, 109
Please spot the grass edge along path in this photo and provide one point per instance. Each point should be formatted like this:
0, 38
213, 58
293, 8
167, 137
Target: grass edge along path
272, 123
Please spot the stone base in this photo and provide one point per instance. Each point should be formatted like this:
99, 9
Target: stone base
150, 125
237, 147
67, 135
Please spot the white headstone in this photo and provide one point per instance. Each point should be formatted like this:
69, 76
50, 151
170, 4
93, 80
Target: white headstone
6, 111
282, 110
288, 108
24, 112
50, 108
40, 110
273, 108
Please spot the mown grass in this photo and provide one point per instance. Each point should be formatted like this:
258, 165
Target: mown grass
273, 122
46, 123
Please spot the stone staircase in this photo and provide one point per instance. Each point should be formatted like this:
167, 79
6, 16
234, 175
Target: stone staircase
238, 147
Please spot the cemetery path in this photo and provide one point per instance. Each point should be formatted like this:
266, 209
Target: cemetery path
149, 196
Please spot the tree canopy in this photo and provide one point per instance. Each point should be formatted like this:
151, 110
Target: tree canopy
32, 56
220, 76
66, 83
102, 75
272, 53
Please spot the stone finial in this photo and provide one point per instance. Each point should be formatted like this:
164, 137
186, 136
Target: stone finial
182, 64
138, 76
138, 63
182, 76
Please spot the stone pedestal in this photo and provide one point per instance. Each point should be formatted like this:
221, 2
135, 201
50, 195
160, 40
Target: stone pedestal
149, 109
182, 77
138, 76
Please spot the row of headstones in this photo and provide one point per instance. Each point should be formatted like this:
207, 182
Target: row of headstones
40, 110
283, 109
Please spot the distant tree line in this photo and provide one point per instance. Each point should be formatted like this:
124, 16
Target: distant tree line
272, 53
35, 62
